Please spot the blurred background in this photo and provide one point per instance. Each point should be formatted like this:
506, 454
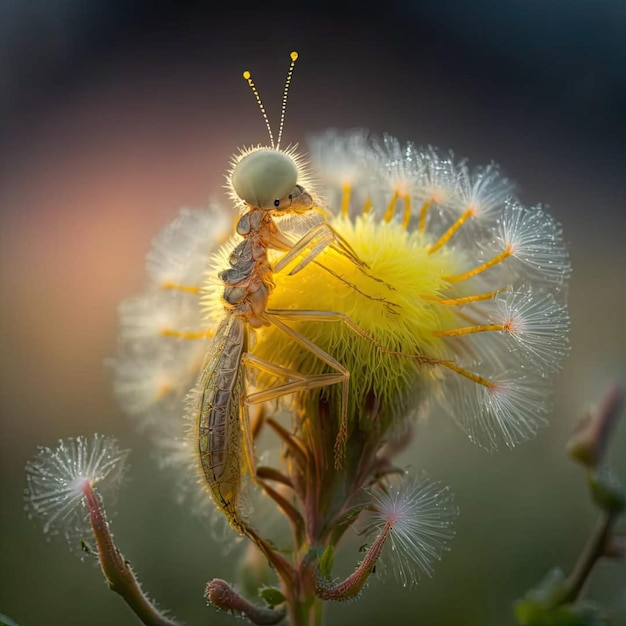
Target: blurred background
115, 114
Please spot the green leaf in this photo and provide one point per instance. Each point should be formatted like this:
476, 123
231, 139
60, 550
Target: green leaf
271, 596
542, 605
5, 620
549, 592
606, 491
529, 613
327, 560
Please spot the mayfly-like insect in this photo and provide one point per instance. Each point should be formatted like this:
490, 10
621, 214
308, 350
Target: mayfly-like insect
266, 182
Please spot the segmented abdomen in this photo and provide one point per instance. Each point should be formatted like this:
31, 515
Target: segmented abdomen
217, 411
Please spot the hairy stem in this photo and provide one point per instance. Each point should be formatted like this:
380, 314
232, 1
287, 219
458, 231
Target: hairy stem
117, 569
222, 595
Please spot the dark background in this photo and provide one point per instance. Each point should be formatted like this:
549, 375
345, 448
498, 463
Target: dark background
114, 114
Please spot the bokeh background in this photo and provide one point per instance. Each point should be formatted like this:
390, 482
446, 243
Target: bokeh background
115, 114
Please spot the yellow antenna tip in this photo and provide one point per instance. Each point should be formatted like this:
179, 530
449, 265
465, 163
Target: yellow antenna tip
246, 75
294, 55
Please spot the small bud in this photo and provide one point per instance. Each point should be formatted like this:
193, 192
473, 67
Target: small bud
591, 435
606, 491
220, 594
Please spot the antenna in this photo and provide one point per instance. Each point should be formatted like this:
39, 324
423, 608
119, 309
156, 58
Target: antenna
283, 108
248, 77
252, 86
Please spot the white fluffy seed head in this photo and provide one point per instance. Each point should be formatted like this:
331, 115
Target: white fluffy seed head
420, 514
340, 159
510, 411
535, 238
155, 313
142, 384
180, 251
538, 325
56, 477
437, 181
343, 161
483, 191
399, 166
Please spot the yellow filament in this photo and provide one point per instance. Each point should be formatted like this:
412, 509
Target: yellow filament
345, 199
423, 213
467, 374
387, 217
170, 332
175, 286
481, 268
367, 207
450, 232
464, 300
469, 330
407, 211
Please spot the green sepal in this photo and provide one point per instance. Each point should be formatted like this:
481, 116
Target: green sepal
543, 605
326, 561
530, 613
606, 491
312, 557
549, 592
271, 596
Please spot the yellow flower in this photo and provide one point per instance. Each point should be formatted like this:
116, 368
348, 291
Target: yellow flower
461, 279
461, 299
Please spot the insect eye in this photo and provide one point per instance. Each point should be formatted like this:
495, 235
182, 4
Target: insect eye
276, 202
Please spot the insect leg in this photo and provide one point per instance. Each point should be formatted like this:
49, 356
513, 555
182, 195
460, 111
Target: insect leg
309, 246
296, 382
334, 316
341, 375
313, 243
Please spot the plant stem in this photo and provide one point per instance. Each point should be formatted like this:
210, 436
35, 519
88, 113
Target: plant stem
593, 550
305, 612
117, 569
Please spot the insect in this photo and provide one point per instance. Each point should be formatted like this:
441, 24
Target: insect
265, 181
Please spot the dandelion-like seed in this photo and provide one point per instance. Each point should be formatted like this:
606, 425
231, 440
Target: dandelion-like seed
58, 478
418, 516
